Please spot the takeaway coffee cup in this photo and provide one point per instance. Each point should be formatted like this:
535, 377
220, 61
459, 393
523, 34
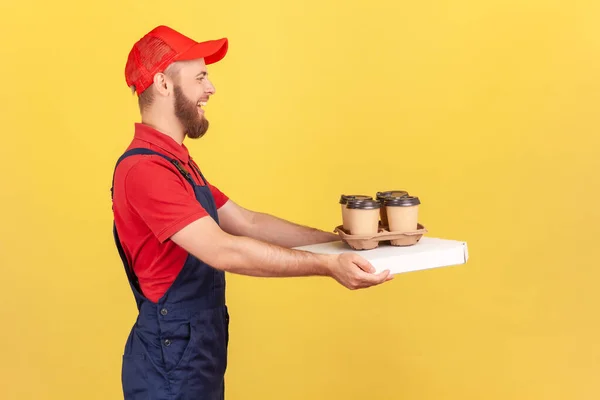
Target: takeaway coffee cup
343, 202
402, 213
381, 196
362, 216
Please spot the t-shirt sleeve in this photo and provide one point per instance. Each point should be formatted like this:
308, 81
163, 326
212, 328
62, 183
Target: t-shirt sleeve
220, 197
162, 198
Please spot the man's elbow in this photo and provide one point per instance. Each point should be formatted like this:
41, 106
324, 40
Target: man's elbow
248, 223
223, 256
206, 241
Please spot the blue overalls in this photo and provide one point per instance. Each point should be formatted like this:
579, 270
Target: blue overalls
177, 349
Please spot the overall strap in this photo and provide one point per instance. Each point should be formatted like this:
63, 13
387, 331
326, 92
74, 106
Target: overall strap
142, 151
195, 167
133, 152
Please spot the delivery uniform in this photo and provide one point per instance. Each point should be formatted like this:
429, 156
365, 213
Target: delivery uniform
177, 348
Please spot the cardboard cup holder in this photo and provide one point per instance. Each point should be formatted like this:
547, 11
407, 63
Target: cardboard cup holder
368, 242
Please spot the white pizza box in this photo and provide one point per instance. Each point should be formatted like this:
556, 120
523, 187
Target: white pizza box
426, 254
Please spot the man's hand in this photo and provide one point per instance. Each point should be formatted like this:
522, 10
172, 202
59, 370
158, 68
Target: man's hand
354, 272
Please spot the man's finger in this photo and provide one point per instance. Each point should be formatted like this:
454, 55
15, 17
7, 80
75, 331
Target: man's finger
363, 264
385, 275
375, 279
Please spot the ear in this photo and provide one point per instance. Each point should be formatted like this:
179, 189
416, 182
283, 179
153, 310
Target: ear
163, 84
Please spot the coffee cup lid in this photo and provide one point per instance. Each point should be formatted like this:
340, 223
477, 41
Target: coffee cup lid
391, 193
404, 201
345, 197
362, 204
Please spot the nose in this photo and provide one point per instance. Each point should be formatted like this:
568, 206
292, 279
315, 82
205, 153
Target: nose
210, 88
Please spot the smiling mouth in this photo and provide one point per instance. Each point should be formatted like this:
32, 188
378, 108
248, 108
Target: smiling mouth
199, 105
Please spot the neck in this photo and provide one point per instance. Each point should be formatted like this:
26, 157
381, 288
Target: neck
168, 125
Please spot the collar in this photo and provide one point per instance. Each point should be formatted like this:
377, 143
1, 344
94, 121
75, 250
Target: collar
150, 135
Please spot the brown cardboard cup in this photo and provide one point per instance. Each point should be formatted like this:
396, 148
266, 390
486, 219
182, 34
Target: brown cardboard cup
344, 201
381, 196
362, 216
402, 213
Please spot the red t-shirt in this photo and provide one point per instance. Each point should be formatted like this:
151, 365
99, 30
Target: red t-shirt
152, 201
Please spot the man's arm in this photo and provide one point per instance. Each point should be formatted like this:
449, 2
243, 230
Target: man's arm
164, 201
205, 240
268, 228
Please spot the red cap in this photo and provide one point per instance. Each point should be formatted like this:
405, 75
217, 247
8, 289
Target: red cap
160, 47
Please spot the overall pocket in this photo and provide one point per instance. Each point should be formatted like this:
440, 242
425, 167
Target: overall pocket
176, 343
202, 368
134, 377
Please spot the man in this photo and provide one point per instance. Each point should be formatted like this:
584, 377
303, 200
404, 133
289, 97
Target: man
178, 234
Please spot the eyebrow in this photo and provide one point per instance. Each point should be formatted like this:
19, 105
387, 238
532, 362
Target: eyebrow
202, 74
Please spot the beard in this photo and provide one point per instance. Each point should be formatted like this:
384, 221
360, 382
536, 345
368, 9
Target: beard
186, 111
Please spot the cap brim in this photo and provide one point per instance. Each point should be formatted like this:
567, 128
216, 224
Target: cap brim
211, 51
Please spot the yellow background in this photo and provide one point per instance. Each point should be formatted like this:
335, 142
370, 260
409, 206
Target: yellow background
487, 110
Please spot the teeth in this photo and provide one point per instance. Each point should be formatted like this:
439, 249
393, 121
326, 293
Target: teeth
202, 103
